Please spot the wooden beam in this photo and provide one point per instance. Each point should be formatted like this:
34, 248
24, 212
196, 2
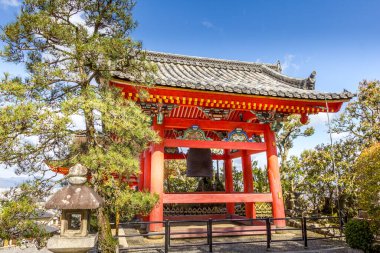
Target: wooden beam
222, 125
183, 156
215, 144
215, 197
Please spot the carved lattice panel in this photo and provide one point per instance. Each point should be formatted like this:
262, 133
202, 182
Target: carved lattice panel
263, 210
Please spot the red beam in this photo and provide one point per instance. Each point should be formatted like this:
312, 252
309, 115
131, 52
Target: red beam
183, 156
215, 144
180, 123
188, 198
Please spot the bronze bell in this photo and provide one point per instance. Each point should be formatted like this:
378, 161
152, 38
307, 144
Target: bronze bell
199, 162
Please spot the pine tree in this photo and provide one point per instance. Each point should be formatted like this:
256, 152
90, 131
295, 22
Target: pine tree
70, 49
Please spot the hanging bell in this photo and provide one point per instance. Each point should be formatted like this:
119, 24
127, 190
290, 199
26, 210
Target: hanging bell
199, 162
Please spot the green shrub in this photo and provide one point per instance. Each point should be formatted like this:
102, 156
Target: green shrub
359, 235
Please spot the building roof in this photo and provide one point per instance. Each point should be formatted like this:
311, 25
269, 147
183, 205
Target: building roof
207, 74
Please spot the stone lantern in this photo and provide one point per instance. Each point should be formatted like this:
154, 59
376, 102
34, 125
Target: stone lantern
76, 202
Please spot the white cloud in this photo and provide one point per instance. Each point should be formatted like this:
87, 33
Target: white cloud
211, 26
77, 19
6, 173
320, 118
289, 63
9, 3
208, 24
338, 136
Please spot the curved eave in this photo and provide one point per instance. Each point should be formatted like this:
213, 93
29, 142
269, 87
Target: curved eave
171, 95
277, 90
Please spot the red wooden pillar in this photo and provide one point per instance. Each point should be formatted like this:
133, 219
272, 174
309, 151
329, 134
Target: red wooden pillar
142, 170
278, 208
157, 181
228, 179
250, 211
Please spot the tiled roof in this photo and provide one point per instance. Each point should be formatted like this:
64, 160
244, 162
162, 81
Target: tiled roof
231, 77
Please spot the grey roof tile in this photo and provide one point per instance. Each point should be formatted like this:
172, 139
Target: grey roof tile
232, 77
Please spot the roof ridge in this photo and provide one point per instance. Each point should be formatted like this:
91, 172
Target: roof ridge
273, 70
201, 73
206, 61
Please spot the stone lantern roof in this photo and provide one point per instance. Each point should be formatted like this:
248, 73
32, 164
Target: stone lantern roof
76, 195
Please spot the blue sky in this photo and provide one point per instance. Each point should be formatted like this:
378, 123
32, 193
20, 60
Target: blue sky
340, 39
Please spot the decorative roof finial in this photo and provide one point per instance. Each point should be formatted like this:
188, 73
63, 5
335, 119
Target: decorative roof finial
279, 68
309, 83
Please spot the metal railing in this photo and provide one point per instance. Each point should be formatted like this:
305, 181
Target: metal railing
211, 232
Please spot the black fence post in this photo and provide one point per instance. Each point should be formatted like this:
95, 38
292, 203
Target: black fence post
269, 232
169, 233
209, 234
342, 222
304, 231
167, 236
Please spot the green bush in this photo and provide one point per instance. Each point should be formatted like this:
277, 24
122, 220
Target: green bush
359, 235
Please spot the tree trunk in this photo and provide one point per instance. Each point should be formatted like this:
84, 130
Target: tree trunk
88, 114
292, 200
106, 241
117, 222
331, 202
